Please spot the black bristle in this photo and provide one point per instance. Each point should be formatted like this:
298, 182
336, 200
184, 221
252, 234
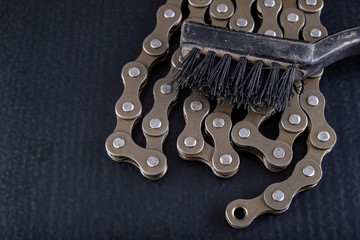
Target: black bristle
202, 70
223, 77
284, 91
259, 87
251, 85
255, 79
269, 87
230, 82
237, 78
289, 87
204, 83
218, 75
184, 69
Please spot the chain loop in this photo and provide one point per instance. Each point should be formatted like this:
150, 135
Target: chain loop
288, 18
307, 172
152, 164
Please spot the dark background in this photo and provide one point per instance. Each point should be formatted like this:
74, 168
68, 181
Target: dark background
60, 66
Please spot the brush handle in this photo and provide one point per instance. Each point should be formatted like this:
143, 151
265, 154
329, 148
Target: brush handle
336, 47
307, 57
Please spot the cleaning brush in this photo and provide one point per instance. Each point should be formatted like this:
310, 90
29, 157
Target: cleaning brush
250, 69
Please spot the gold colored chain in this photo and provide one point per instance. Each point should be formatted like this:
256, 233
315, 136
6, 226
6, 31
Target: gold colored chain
288, 18
306, 107
120, 145
221, 158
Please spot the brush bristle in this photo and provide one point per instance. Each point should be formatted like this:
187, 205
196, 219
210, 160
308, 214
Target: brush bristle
185, 68
236, 80
202, 71
258, 86
251, 85
269, 88
284, 92
219, 76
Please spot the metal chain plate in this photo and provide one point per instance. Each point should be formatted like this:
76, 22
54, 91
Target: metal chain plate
296, 19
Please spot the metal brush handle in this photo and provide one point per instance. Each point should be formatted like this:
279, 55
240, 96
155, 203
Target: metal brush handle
335, 48
307, 57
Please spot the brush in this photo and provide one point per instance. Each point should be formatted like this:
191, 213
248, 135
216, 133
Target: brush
254, 70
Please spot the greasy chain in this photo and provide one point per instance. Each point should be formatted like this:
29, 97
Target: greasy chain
298, 19
120, 146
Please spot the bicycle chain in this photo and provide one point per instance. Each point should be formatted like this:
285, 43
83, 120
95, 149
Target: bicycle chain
306, 110
155, 124
221, 158
307, 173
278, 154
119, 145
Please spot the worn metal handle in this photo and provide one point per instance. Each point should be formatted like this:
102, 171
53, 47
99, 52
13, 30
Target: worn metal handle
307, 57
336, 47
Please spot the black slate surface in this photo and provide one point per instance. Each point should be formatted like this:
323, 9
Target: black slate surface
60, 65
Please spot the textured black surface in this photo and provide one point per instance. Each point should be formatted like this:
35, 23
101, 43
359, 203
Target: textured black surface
60, 65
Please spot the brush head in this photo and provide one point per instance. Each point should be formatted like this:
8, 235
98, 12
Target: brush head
250, 69
253, 46
241, 82
216, 69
